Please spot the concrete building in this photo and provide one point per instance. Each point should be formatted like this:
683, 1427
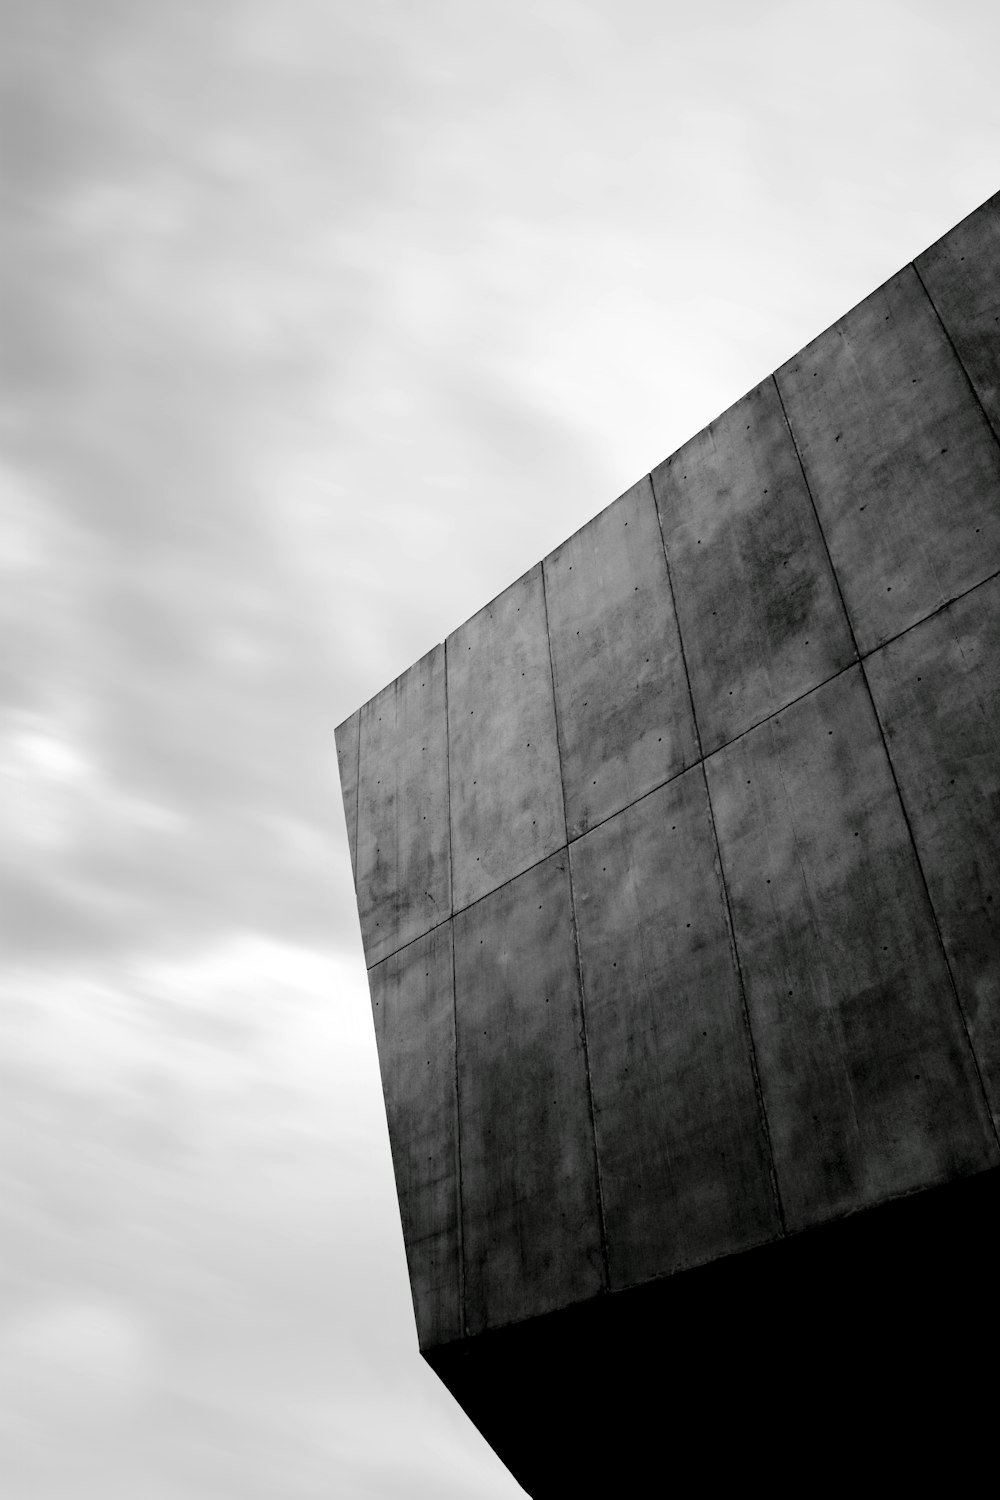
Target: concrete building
678, 876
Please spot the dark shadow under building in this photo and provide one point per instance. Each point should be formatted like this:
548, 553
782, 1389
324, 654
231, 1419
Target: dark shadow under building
678, 876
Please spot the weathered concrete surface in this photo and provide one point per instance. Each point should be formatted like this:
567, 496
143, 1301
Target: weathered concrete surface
902, 465
868, 1080
937, 693
529, 1182
404, 867
506, 795
962, 275
684, 1166
866, 969
346, 736
759, 611
622, 701
413, 1006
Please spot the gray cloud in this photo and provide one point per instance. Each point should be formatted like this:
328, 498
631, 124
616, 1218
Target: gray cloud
322, 322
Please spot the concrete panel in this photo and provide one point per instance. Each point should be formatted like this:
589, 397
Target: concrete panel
937, 692
346, 736
625, 722
902, 464
529, 1181
413, 1006
684, 1165
868, 1080
404, 865
759, 612
506, 796
962, 275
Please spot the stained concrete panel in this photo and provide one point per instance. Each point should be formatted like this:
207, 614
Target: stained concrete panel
622, 703
962, 276
404, 864
347, 763
759, 612
506, 796
413, 1005
684, 1166
868, 1080
901, 462
937, 693
529, 1183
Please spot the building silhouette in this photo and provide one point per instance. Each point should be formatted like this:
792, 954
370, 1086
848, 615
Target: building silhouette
678, 877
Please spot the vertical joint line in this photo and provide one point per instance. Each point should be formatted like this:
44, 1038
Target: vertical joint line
357, 801
602, 1227
958, 358
447, 765
885, 747
462, 1310
677, 620
754, 1064
819, 523
931, 908
754, 1067
555, 702
462, 1298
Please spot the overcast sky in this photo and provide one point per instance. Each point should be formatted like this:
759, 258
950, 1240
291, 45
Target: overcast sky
321, 322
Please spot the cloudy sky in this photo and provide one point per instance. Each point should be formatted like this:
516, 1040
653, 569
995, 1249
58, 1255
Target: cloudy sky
321, 322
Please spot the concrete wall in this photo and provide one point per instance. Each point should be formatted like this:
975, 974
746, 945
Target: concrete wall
677, 864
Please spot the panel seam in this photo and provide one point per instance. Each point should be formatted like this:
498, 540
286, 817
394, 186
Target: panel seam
744, 1007
450, 921
757, 724
462, 1275
357, 799
958, 358
599, 1188
956, 998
